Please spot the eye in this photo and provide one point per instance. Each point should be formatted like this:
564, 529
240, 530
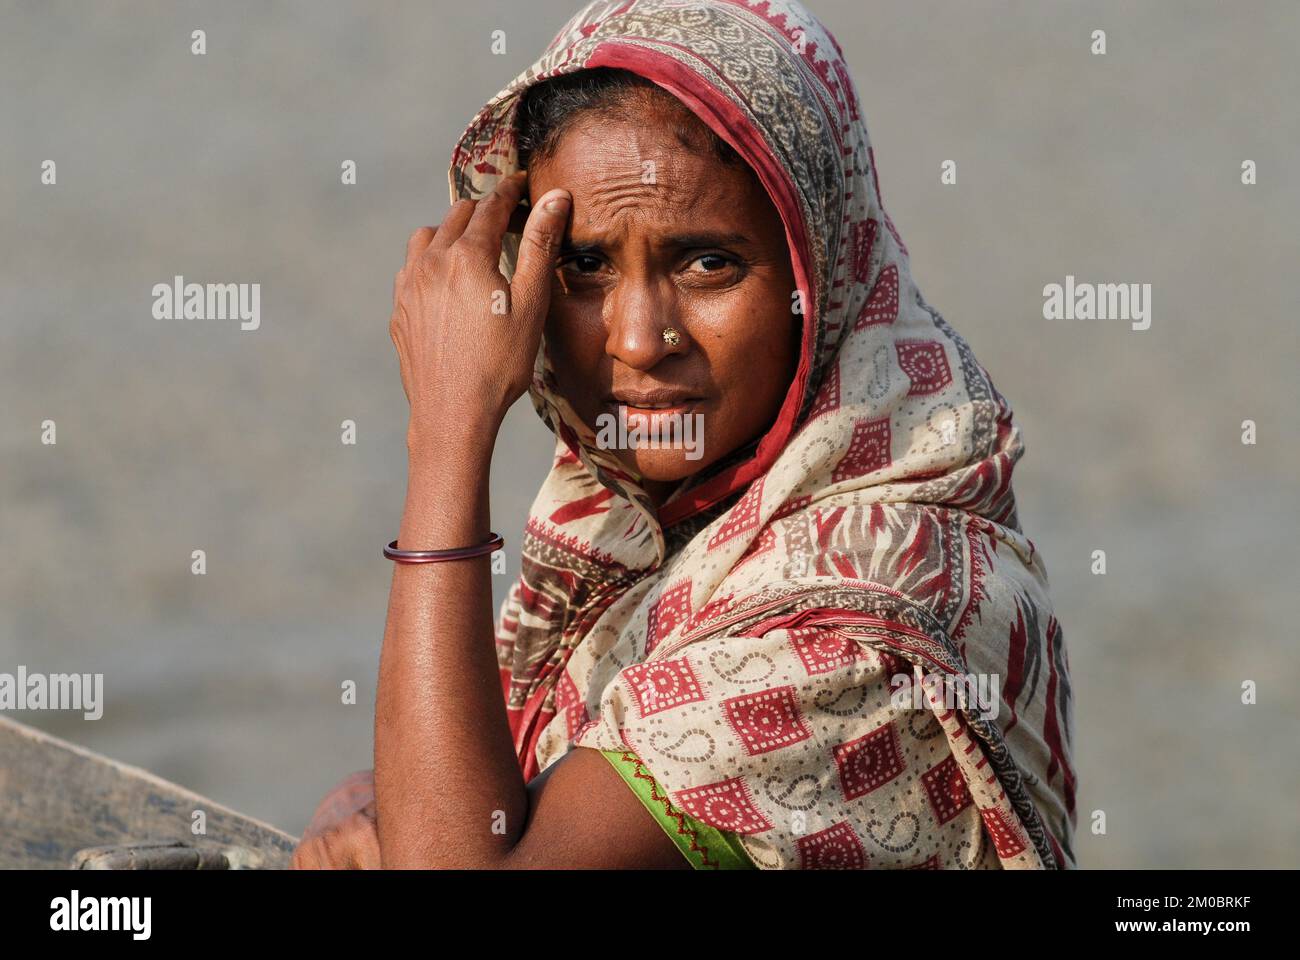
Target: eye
582, 263
713, 262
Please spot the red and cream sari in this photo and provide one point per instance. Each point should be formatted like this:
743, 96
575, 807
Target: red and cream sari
775, 648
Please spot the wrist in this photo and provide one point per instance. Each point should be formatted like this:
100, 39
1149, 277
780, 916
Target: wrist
448, 469
450, 440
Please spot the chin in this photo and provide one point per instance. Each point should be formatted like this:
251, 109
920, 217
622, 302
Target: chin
665, 466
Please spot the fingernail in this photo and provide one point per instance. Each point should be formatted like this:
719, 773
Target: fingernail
558, 203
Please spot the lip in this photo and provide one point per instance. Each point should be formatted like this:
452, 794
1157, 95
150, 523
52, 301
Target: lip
653, 401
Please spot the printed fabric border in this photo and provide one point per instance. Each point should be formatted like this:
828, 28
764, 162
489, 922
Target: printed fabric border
704, 847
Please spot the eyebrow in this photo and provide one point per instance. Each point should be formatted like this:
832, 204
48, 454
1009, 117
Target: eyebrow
681, 241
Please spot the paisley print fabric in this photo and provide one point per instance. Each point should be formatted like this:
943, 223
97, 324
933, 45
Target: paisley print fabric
778, 643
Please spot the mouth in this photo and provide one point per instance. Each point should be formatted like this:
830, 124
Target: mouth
653, 404
656, 419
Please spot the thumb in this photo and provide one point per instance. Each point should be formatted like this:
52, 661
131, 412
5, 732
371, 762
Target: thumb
530, 289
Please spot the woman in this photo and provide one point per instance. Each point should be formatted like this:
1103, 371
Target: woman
766, 649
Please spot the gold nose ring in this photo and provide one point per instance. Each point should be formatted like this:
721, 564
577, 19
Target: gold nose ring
672, 337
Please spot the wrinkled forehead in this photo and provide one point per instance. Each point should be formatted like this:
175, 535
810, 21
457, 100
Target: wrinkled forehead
627, 176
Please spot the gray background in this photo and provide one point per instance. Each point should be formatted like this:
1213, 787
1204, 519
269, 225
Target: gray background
177, 435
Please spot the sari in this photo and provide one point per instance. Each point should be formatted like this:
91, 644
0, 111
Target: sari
773, 659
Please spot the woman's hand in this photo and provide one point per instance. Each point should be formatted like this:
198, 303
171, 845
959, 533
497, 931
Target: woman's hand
342, 834
350, 844
466, 339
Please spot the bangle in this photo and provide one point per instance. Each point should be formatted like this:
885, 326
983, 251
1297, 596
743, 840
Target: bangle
493, 542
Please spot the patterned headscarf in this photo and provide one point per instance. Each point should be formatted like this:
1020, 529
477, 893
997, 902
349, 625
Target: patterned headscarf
741, 640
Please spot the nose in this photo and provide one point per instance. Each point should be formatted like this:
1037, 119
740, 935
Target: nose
637, 312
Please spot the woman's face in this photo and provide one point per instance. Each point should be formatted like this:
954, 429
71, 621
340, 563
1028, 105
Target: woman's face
666, 235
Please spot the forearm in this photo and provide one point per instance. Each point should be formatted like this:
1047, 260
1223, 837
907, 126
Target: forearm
444, 761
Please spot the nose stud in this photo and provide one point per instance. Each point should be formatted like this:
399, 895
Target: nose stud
672, 337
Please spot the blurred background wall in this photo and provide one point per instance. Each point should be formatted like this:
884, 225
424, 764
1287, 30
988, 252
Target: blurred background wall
183, 435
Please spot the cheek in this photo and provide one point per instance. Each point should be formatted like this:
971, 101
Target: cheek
754, 352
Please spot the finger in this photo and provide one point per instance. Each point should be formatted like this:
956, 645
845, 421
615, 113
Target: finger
368, 852
361, 837
335, 854
304, 857
364, 837
530, 290
418, 242
453, 224
487, 227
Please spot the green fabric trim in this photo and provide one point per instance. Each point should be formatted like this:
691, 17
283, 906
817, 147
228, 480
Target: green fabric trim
704, 847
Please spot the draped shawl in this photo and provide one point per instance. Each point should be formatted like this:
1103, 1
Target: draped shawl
748, 640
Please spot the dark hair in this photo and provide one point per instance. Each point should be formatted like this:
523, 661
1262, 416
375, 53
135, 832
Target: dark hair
549, 108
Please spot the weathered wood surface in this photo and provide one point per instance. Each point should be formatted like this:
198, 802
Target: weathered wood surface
57, 799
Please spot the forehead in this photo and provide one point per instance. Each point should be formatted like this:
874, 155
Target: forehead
657, 173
